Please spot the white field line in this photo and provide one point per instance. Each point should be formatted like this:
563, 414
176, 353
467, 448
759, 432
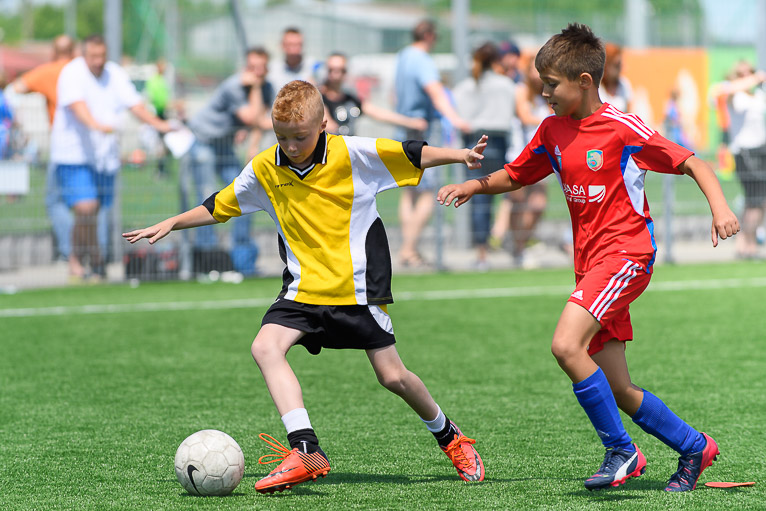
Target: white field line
404, 296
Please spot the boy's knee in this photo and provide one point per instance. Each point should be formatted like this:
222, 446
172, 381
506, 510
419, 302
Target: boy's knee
262, 349
565, 349
395, 381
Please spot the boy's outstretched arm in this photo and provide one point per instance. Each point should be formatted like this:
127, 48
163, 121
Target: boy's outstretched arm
497, 182
192, 218
435, 156
725, 223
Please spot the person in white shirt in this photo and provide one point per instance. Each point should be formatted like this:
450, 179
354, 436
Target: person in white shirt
488, 99
92, 93
747, 131
295, 65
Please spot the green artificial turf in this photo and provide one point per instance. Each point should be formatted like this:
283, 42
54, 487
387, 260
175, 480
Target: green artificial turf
93, 404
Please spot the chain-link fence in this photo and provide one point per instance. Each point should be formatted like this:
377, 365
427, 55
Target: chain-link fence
204, 48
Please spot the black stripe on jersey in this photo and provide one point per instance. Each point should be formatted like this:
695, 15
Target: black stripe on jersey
414, 150
287, 277
209, 203
378, 264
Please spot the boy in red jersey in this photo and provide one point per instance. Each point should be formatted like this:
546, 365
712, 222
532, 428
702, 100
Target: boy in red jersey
600, 156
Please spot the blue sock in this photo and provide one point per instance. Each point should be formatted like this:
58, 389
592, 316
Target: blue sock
654, 417
595, 396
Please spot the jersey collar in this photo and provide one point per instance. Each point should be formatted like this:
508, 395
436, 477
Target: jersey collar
319, 156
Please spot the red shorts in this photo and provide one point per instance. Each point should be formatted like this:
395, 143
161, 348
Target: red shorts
606, 291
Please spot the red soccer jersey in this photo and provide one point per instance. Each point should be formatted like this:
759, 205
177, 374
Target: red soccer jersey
601, 162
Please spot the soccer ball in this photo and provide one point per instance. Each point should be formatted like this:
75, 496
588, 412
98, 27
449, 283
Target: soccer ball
209, 462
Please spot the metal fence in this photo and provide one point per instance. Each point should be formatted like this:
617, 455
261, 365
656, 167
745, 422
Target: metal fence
153, 185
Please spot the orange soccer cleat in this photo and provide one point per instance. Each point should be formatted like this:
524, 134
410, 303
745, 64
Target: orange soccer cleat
296, 467
467, 461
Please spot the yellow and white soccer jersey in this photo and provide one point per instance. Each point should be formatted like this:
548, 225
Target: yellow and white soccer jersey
331, 236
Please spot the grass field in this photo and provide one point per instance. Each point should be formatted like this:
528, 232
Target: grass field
101, 384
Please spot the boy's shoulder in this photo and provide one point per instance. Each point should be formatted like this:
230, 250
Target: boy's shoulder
628, 123
267, 156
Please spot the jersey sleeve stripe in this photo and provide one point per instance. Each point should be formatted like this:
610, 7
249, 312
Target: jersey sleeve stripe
640, 131
639, 122
630, 120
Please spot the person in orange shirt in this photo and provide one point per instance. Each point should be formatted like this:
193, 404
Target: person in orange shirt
43, 80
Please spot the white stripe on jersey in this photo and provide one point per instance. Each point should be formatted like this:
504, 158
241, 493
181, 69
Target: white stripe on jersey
630, 121
369, 174
633, 118
612, 291
634, 178
625, 282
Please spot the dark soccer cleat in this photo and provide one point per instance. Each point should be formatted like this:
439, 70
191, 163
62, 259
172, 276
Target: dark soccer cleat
690, 467
464, 457
619, 465
296, 467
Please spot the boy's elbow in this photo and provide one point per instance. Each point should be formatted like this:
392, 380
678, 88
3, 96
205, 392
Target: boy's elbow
693, 165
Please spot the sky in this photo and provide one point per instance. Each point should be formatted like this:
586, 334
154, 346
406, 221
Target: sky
733, 21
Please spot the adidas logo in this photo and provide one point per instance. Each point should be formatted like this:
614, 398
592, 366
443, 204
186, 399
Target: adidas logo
577, 294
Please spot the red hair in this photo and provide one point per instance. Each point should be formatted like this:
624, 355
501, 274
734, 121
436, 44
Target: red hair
296, 101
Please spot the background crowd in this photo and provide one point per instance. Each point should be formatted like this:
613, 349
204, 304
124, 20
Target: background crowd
86, 96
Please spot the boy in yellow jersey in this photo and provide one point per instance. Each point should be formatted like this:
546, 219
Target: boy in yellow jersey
320, 191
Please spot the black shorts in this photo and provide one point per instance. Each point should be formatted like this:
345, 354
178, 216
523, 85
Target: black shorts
360, 327
750, 166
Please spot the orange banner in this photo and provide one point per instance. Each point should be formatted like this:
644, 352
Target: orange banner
655, 73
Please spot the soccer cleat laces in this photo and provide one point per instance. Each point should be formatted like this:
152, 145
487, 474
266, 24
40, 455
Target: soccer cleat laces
294, 467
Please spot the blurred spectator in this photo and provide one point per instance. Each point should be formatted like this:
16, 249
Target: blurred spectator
420, 93
158, 94
747, 104
522, 209
720, 100
343, 107
91, 95
673, 124
259, 65
615, 88
238, 104
510, 58
158, 89
43, 80
488, 100
6, 120
295, 65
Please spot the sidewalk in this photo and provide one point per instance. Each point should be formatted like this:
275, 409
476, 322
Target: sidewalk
541, 255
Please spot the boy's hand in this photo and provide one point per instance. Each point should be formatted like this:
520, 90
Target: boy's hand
458, 193
153, 233
725, 225
476, 154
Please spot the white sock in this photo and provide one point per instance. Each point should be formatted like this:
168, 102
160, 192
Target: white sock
296, 419
437, 424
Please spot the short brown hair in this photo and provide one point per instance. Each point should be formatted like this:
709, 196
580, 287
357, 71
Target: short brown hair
423, 29
257, 50
574, 51
296, 101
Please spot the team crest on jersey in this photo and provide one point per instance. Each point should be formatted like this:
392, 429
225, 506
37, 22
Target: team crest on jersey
595, 159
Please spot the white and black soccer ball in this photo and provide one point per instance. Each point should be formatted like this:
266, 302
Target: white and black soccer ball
209, 462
